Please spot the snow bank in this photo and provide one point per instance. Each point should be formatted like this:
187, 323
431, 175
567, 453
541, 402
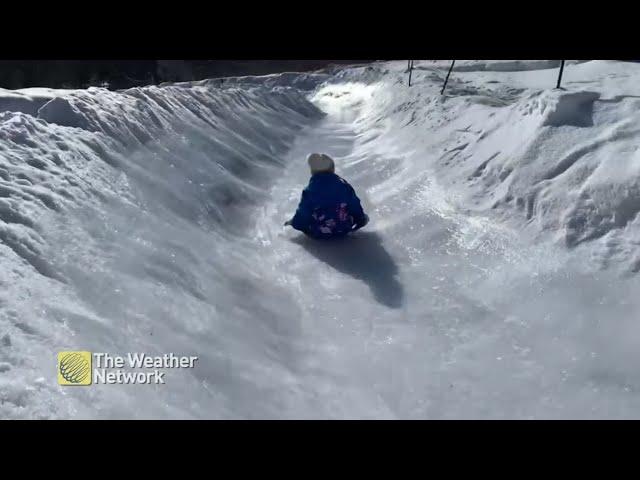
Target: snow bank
558, 164
28, 100
95, 186
300, 81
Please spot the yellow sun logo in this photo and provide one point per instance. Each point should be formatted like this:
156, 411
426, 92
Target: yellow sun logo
74, 368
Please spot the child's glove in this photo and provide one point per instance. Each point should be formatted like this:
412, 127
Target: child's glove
287, 223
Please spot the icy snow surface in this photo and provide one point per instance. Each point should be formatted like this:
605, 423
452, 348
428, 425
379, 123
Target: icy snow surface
497, 278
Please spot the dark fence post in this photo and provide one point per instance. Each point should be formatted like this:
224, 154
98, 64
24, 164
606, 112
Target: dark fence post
447, 79
560, 74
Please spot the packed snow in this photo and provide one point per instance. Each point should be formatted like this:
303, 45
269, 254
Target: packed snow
496, 279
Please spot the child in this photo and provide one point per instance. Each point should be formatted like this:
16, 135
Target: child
329, 206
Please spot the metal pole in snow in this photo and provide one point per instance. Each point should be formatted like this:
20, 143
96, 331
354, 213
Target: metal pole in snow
560, 74
447, 79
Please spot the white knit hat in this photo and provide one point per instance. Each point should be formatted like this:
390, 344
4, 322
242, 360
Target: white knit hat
320, 162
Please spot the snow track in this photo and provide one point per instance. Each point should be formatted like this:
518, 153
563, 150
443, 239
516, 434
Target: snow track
495, 280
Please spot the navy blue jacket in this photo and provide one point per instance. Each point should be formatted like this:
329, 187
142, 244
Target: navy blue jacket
329, 207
